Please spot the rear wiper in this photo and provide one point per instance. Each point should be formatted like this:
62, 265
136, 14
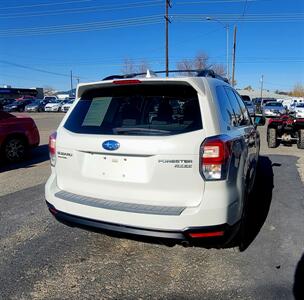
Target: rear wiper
139, 130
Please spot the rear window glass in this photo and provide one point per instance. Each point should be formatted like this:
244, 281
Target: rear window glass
143, 109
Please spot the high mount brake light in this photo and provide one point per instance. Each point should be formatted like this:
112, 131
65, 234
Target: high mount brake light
215, 156
52, 148
126, 81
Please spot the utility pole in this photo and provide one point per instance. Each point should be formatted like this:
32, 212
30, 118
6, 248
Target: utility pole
168, 4
233, 56
227, 50
262, 83
71, 93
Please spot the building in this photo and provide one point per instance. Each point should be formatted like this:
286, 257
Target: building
8, 92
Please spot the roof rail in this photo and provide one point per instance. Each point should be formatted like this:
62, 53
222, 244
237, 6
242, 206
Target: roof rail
149, 73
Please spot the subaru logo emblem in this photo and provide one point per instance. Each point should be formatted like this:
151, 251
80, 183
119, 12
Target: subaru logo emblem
110, 145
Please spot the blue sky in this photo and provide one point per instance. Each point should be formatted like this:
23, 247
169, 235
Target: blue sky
36, 35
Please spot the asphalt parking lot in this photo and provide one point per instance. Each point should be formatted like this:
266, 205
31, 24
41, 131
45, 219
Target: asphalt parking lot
42, 259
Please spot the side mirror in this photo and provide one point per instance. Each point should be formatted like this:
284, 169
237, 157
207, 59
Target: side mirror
259, 121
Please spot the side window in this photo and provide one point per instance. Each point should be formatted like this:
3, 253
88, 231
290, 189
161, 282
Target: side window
246, 117
235, 106
225, 106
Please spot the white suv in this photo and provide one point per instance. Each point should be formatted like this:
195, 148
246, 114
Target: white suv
166, 158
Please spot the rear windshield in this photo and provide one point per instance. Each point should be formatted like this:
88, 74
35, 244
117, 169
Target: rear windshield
143, 109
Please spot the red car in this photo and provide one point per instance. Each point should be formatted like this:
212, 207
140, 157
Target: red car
17, 136
25, 98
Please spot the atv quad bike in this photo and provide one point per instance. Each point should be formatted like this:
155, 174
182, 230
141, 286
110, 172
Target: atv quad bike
285, 129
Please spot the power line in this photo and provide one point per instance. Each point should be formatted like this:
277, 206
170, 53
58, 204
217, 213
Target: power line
146, 20
295, 17
35, 69
44, 4
131, 5
81, 27
214, 1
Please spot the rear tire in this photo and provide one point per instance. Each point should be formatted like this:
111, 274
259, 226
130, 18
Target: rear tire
14, 149
300, 143
272, 138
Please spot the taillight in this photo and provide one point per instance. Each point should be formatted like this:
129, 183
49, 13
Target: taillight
215, 156
52, 148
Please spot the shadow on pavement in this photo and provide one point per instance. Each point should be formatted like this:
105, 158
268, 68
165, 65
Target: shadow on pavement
259, 202
298, 287
36, 156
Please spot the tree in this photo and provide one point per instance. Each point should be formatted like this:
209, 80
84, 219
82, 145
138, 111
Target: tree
129, 66
185, 65
298, 90
143, 67
200, 62
49, 91
248, 88
219, 69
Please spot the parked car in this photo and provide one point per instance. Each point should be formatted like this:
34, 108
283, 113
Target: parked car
264, 101
17, 136
251, 108
299, 110
36, 106
22, 98
4, 102
53, 106
273, 109
50, 98
17, 105
65, 107
182, 176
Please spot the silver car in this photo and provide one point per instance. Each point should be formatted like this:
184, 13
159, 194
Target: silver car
273, 109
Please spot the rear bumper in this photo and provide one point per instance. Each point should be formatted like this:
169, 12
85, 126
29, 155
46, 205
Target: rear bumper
218, 206
206, 236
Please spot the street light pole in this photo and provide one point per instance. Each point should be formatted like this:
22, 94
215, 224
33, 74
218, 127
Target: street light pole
226, 26
262, 83
227, 51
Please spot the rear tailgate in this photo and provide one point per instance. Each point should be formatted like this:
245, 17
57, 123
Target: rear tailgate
158, 130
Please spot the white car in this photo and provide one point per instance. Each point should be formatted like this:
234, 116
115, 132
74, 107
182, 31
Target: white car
299, 110
126, 159
67, 106
53, 106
